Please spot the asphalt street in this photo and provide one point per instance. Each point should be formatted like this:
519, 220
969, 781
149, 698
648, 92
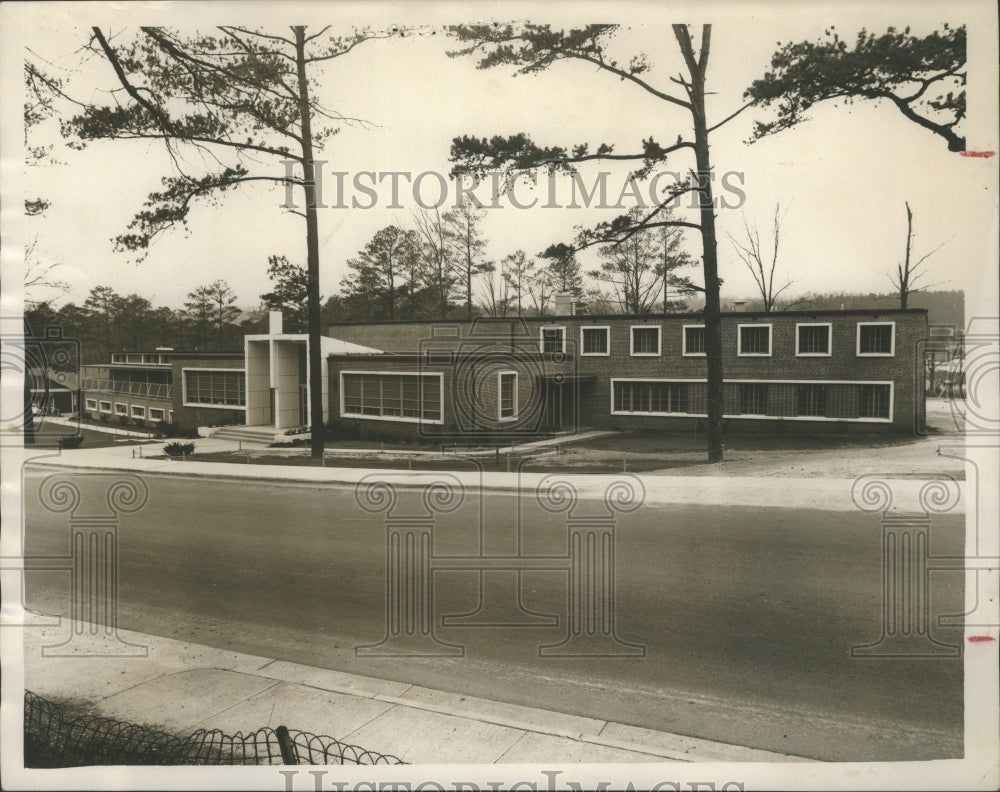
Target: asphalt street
747, 615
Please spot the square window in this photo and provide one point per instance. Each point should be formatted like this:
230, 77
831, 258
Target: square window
553, 340
594, 341
876, 338
121, 409
754, 340
694, 340
155, 414
138, 411
812, 339
646, 340
91, 404
105, 406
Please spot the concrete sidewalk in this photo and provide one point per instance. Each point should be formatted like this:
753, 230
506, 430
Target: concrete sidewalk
181, 687
749, 491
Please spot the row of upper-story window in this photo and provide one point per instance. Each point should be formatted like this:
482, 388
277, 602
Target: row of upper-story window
124, 409
812, 339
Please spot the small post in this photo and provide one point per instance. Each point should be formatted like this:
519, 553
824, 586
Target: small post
133, 453
498, 455
322, 461
140, 452
624, 462
382, 446
289, 756
409, 461
241, 445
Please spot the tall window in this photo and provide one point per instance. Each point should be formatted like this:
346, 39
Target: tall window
646, 340
508, 395
753, 399
812, 339
754, 340
221, 388
694, 340
651, 397
594, 341
876, 338
400, 396
812, 400
874, 401
553, 340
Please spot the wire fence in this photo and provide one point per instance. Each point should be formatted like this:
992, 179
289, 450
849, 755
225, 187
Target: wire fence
54, 738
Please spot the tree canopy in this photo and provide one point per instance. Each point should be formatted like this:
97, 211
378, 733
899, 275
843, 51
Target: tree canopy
922, 77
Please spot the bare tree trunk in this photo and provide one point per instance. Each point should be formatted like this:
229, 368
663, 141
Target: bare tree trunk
713, 311
312, 249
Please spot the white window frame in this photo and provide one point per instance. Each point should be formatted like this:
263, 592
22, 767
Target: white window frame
123, 410
500, 417
137, 411
199, 369
160, 410
101, 407
90, 404
829, 339
541, 338
659, 341
607, 340
892, 345
395, 418
770, 340
684, 340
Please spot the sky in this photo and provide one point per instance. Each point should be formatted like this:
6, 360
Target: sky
841, 179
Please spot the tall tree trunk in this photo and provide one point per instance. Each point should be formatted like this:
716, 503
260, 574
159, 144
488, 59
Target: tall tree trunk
312, 252
713, 311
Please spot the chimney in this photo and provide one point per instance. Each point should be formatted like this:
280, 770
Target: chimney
274, 322
565, 304
739, 306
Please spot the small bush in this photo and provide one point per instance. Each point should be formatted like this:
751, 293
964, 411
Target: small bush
105, 417
123, 420
70, 441
178, 449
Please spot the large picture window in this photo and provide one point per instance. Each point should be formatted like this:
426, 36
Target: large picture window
874, 401
753, 399
217, 388
650, 397
402, 397
812, 400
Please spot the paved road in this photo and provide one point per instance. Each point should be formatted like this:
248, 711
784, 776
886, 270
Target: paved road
747, 614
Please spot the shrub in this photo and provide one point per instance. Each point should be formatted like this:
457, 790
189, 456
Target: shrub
70, 441
105, 417
178, 449
123, 420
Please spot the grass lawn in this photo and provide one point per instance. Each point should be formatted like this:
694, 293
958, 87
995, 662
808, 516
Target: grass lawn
91, 438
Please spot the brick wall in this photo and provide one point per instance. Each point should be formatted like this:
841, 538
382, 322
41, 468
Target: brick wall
517, 342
